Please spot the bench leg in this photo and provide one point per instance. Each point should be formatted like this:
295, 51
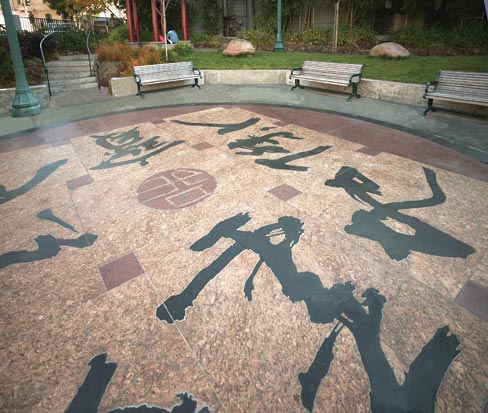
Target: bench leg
196, 84
429, 106
139, 92
297, 84
354, 93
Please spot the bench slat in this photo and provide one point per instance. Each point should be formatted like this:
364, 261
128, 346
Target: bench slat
463, 87
339, 74
164, 73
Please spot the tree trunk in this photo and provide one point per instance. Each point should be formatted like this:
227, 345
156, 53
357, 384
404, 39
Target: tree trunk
336, 26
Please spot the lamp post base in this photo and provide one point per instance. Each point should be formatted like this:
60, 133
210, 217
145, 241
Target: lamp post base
25, 103
278, 46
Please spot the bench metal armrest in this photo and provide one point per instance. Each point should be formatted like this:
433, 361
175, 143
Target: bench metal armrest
430, 87
295, 71
197, 72
358, 75
137, 78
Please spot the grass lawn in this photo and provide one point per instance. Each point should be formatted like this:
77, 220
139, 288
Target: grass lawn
413, 69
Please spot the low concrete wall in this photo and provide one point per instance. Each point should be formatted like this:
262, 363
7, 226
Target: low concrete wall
246, 77
7, 96
398, 92
126, 86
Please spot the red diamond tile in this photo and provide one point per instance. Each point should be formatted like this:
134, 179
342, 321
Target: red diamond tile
371, 151
77, 182
60, 143
202, 146
285, 192
120, 271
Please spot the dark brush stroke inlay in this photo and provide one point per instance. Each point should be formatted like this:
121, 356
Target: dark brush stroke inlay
130, 144
48, 215
324, 305
48, 247
90, 393
369, 224
223, 127
40, 176
255, 147
282, 163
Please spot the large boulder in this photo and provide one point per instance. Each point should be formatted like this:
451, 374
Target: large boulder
389, 49
237, 47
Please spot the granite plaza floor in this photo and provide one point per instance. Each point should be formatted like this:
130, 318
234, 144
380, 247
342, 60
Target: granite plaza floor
241, 258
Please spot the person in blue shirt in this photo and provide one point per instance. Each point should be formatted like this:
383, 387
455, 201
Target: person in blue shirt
172, 37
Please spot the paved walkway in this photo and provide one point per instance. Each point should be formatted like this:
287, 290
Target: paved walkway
242, 249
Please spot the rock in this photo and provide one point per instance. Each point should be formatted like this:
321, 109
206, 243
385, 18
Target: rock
389, 49
109, 70
237, 47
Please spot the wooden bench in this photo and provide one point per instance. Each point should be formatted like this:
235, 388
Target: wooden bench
461, 87
340, 74
164, 73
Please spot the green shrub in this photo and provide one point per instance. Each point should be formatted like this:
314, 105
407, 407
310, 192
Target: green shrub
356, 37
179, 52
317, 37
31, 54
259, 38
350, 37
465, 39
75, 41
119, 34
469, 38
418, 38
207, 40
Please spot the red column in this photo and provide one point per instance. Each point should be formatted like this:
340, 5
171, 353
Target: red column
154, 15
136, 22
184, 20
129, 20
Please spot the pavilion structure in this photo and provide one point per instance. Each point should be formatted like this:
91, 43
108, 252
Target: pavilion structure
133, 23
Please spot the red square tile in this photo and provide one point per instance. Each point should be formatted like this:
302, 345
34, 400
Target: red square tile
474, 298
120, 271
285, 192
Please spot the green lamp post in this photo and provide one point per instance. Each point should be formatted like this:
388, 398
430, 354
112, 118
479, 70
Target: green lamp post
25, 102
278, 47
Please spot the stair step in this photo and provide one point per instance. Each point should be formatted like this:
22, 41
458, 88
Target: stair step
72, 81
76, 57
68, 63
56, 74
67, 88
60, 76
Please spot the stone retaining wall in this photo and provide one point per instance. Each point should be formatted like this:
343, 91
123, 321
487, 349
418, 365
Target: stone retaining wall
397, 92
7, 96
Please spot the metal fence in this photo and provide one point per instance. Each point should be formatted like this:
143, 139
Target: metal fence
32, 24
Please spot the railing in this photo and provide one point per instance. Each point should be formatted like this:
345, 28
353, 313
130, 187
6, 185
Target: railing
32, 24
90, 54
44, 58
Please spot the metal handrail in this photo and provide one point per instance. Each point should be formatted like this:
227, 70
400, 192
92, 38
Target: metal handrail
44, 59
90, 54
88, 49
97, 64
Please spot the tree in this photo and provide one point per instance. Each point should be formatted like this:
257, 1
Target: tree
77, 8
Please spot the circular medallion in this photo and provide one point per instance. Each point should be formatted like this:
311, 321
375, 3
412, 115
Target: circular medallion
175, 189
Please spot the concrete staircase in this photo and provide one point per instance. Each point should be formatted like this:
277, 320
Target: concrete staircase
71, 73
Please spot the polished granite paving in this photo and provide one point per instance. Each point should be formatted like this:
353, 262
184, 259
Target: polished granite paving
240, 259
